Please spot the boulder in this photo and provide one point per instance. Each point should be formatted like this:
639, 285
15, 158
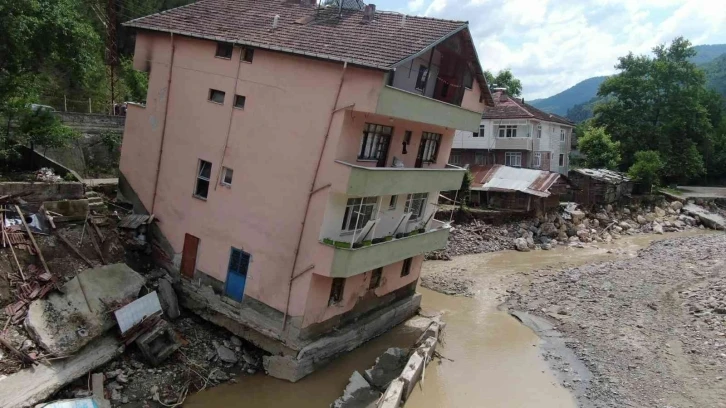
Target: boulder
602, 217
584, 236
548, 229
617, 228
657, 228
626, 211
607, 237
226, 355
521, 245
650, 217
546, 247
577, 216
562, 236
641, 220
595, 223
676, 205
168, 300
624, 225
659, 212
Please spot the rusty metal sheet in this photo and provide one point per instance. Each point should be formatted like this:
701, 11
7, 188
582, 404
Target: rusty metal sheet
133, 221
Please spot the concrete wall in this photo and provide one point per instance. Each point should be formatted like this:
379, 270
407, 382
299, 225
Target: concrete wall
92, 123
44, 191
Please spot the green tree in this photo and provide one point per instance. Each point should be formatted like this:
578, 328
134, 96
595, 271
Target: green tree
661, 104
599, 149
647, 168
505, 79
41, 128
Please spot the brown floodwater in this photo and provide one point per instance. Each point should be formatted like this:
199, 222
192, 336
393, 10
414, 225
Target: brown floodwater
491, 359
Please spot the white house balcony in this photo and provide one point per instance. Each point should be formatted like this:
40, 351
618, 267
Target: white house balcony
513, 143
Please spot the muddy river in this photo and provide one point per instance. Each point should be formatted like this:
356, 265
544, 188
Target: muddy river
491, 359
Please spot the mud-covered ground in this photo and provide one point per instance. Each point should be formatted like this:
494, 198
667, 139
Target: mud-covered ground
651, 329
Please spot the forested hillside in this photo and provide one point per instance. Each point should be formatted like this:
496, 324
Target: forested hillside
560, 103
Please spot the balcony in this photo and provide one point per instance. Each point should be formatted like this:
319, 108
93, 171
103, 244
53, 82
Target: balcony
415, 107
513, 143
362, 181
349, 262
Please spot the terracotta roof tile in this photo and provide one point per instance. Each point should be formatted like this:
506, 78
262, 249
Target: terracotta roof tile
506, 107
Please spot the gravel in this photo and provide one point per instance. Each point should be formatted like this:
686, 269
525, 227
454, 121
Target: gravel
651, 329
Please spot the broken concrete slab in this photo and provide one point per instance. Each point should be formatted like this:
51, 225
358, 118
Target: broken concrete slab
393, 396
168, 299
158, 343
709, 219
33, 385
388, 366
66, 321
358, 394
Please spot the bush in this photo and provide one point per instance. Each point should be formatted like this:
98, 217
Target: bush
600, 151
648, 168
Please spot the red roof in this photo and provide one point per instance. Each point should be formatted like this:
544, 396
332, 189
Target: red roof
506, 107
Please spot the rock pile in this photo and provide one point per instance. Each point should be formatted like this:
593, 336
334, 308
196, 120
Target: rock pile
569, 226
454, 282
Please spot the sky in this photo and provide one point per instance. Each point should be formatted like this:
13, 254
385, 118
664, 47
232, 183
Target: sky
553, 44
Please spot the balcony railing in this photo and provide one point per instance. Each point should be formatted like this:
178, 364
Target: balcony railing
366, 256
362, 181
513, 143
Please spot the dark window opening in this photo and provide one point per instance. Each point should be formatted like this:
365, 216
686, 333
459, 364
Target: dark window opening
468, 79
336, 291
216, 96
392, 204
224, 50
239, 101
227, 174
430, 146
406, 270
248, 54
201, 190
423, 73
375, 279
445, 90
374, 144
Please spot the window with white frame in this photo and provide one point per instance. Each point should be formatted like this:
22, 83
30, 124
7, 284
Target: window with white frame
480, 158
374, 142
227, 174
507, 130
416, 205
563, 136
513, 159
539, 131
537, 160
455, 159
358, 211
482, 128
431, 143
562, 160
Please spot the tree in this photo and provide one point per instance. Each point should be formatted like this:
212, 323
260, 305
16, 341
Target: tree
660, 104
647, 168
599, 149
505, 79
39, 127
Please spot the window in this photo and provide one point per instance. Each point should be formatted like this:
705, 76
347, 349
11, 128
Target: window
482, 128
406, 270
358, 211
227, 176
374, 142
336, 291
513, 159
216, 96
224, 50
248, 54
468, 79
416, 205
480, 158
375, 279
423, 73
537, 160
239, 101
393, 203
204, 172
539, 132
562, 160
430, 142
562, 135
507, 130
239, 263
455, 159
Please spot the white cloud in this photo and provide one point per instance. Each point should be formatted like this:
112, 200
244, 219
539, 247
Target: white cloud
552, 45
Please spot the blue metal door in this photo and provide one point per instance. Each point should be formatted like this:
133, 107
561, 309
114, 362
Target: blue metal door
237, 274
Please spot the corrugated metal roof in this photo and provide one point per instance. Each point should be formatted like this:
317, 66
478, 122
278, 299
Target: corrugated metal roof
608, 176
504, 178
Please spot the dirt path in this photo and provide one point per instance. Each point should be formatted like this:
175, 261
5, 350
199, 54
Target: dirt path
651, 329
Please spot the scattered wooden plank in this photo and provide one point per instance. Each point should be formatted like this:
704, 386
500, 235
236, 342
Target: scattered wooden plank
26, 359
20, 268
32, 239
95, 244
50, 219
98, 231
74, 249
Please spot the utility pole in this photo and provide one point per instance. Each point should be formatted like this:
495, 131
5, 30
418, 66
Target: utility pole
112, 58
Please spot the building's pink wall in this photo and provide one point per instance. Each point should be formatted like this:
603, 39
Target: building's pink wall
355, 288
471, 98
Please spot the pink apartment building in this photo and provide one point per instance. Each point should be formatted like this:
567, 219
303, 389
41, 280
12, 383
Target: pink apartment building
293, 157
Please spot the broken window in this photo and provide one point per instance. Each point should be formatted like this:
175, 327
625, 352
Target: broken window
204, 173
392, 204
406, 270
248, 54
227, 174
239, 101
507, 130
513, 159
423, 73
336, 291
416, 205
374, 144
216, 96
224, 50
430, 143
375, 279
358, 211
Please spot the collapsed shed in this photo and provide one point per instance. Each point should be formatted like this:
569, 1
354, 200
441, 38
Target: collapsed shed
600, 186
517, 189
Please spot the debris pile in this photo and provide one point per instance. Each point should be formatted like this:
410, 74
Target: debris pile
569, 226
47, 175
